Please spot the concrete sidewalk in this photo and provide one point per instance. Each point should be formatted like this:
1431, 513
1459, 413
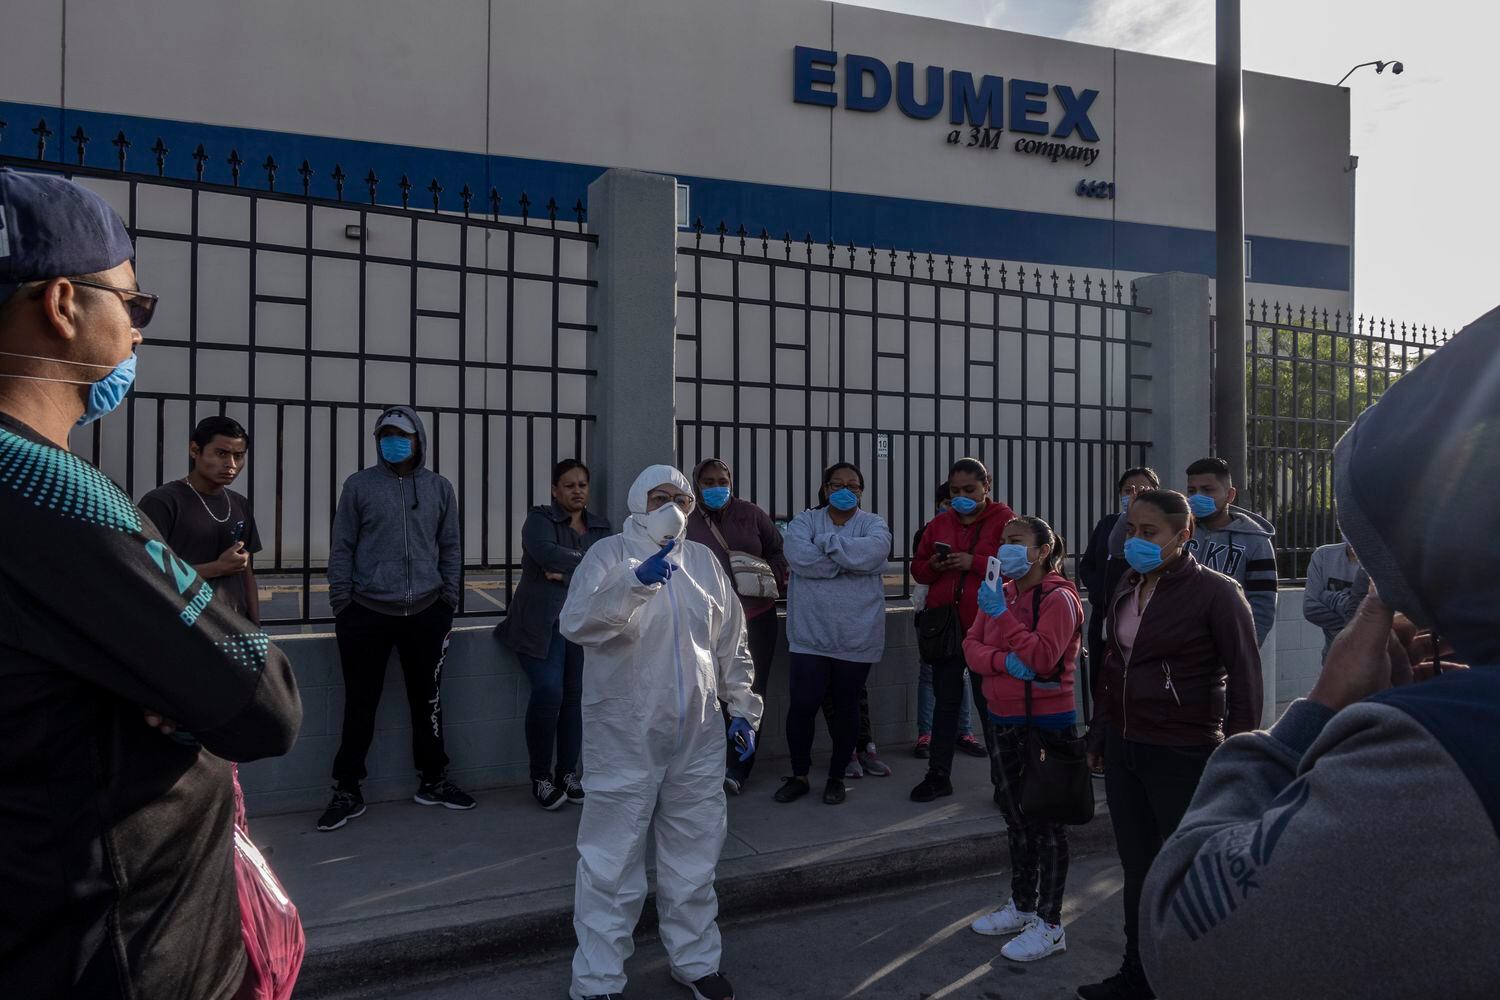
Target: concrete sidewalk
405, 888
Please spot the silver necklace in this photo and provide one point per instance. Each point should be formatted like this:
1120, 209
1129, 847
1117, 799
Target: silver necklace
228, 504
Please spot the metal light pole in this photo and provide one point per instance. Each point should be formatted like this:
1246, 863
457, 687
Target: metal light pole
1229, 215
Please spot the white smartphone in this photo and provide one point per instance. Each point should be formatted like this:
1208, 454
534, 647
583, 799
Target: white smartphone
992, 573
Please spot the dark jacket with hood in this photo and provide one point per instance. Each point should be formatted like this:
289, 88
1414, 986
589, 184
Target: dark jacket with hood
747, 528
396, 544
1193, 674
116, 841
548, 545
1312, 851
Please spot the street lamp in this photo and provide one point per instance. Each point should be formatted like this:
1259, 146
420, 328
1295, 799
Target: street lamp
1379, 64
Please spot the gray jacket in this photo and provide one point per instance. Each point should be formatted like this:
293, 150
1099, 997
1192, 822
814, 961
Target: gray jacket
1335, 586
1243, 549
396, 546
548, 545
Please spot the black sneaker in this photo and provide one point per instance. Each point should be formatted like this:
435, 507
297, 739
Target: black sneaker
935, 785
572, 787
442, 792
346, 805
833, 792
1127, 984
792, 789
711, 987
547, 795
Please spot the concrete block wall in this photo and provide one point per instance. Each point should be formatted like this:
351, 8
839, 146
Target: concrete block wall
1299, 650
484, 711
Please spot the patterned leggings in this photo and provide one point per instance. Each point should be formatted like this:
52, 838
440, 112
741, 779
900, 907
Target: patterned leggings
1038, 850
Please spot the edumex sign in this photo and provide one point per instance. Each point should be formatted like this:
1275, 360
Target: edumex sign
980, 110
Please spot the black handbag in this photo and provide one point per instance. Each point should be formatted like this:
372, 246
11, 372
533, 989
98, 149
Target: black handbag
940, 631
1055, 782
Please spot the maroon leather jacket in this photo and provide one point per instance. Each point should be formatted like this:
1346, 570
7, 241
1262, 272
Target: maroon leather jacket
1193, 675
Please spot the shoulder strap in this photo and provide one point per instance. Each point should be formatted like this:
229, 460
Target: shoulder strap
963, 578
717, 533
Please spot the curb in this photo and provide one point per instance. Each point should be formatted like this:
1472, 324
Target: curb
517, 938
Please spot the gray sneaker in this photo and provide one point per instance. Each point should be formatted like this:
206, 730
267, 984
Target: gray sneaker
872, 764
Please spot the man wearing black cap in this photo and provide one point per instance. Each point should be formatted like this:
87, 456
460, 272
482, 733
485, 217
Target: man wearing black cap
116, 825
394, 570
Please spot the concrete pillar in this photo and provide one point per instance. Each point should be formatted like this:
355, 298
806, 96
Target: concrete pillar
1178, 360
1181, 385
634, 349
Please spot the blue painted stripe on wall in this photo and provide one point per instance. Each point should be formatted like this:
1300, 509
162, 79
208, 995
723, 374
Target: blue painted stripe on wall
866, 220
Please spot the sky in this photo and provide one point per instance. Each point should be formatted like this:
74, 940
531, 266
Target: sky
1427, 223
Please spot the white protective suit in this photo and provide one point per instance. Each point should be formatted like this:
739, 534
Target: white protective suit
657, 660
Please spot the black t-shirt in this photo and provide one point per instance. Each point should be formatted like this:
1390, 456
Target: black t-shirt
197, 535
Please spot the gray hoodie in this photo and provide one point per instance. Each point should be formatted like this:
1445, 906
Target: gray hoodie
396, 546
1357, 854
1243, 549
1335, 586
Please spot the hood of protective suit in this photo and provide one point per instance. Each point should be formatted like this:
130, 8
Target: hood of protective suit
1417, 480
641, 528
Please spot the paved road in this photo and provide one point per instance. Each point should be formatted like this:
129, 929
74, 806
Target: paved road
913, 945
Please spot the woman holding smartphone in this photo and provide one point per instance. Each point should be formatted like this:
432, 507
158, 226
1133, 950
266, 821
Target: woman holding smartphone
1181, 672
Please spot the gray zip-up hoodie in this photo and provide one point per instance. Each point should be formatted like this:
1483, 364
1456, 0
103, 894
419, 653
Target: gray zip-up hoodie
1243, 549
1357, 854
396, 544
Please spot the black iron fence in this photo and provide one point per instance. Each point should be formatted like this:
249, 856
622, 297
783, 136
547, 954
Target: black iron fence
1308, 376
793, 355
304, 317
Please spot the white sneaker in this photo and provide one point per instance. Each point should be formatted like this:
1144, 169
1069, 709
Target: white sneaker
1038, 940
1006, 920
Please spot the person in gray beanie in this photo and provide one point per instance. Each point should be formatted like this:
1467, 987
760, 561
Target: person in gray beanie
1353, 849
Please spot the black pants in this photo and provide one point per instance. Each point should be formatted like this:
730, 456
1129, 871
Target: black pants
947, 696
1148, 788
366, 639
862, 736
761, 635
813, 677
1038, 850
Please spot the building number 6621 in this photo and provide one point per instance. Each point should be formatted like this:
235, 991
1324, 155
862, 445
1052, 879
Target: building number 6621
1096, 189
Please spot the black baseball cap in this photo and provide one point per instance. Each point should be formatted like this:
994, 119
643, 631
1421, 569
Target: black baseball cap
51, 227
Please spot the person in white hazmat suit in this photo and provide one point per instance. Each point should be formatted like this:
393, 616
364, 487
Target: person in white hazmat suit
664, 641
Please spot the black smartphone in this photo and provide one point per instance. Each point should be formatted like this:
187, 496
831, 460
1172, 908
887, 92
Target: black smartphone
943, 549
237, 533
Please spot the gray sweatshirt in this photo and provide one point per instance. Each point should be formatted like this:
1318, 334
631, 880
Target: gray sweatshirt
1335, 586
396, 546
836, 599
1243, 549
1338, 855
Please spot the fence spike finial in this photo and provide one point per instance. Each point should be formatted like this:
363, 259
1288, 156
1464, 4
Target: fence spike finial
786, 239
1119, 292
984, 269
722, 231
930, 267
741, 234
1071, 283
832, 249
525, 204
1054, 281
1003, 275
552, 212
494, 200
371, 181
872, 259
893, 260
911, 263
159, 150
1088, 286
200, 160
121, 145
582, 212
436, 190
968, 271
42, 133
466, 195
80, 140
765, 243
270, 168
235, 162
851, 255
306, 173
948, 261
404, 186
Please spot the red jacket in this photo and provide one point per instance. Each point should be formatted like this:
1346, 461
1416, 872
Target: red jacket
1041, 642
982, 538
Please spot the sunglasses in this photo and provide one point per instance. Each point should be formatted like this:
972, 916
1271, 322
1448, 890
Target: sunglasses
140, 305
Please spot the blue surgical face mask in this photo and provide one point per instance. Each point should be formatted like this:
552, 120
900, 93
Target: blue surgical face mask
965, 505
1202, 505
844, 500
1142, 555
105, 395
109, 392
716, 497
1013, 561
395, 449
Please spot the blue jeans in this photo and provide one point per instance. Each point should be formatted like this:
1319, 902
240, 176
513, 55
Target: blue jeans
554, 712
925, 702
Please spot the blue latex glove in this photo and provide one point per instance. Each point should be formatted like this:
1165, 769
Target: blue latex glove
740, 731
1017, 669
991, 600
657, 569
